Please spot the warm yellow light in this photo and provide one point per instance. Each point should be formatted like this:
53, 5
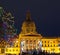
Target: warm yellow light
17, 41
22, 49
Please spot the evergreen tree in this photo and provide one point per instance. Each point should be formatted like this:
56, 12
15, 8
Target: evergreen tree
1, 23
7, 28
8, 24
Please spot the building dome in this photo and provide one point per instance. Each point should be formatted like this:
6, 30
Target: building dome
28, 25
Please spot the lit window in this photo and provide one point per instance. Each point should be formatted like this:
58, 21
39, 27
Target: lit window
54, 45
51, 45
30, 40
17, 46
45, 41
48, 41
45, 45
22, 43
42, 45
42, 41
34, 40
48, 45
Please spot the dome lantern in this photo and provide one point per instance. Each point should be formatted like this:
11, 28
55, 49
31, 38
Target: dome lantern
28, 25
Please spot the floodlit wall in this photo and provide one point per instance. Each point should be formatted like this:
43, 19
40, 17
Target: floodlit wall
12, 50
50, 45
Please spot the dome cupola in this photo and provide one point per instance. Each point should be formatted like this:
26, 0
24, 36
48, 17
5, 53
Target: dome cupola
28, 25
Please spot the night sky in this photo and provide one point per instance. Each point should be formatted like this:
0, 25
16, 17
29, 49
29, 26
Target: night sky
45, 13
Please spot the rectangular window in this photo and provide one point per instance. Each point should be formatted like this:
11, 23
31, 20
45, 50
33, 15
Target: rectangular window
45, 45
42, 41
48, 45
45, 41
48, 41
54, 45
42, 45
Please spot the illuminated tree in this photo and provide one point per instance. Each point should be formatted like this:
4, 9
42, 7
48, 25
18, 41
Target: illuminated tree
8, 24
7, 28
1, 23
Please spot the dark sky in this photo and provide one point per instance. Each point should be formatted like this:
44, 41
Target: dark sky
45, 13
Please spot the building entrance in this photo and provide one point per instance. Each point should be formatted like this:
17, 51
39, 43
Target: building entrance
30, 44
